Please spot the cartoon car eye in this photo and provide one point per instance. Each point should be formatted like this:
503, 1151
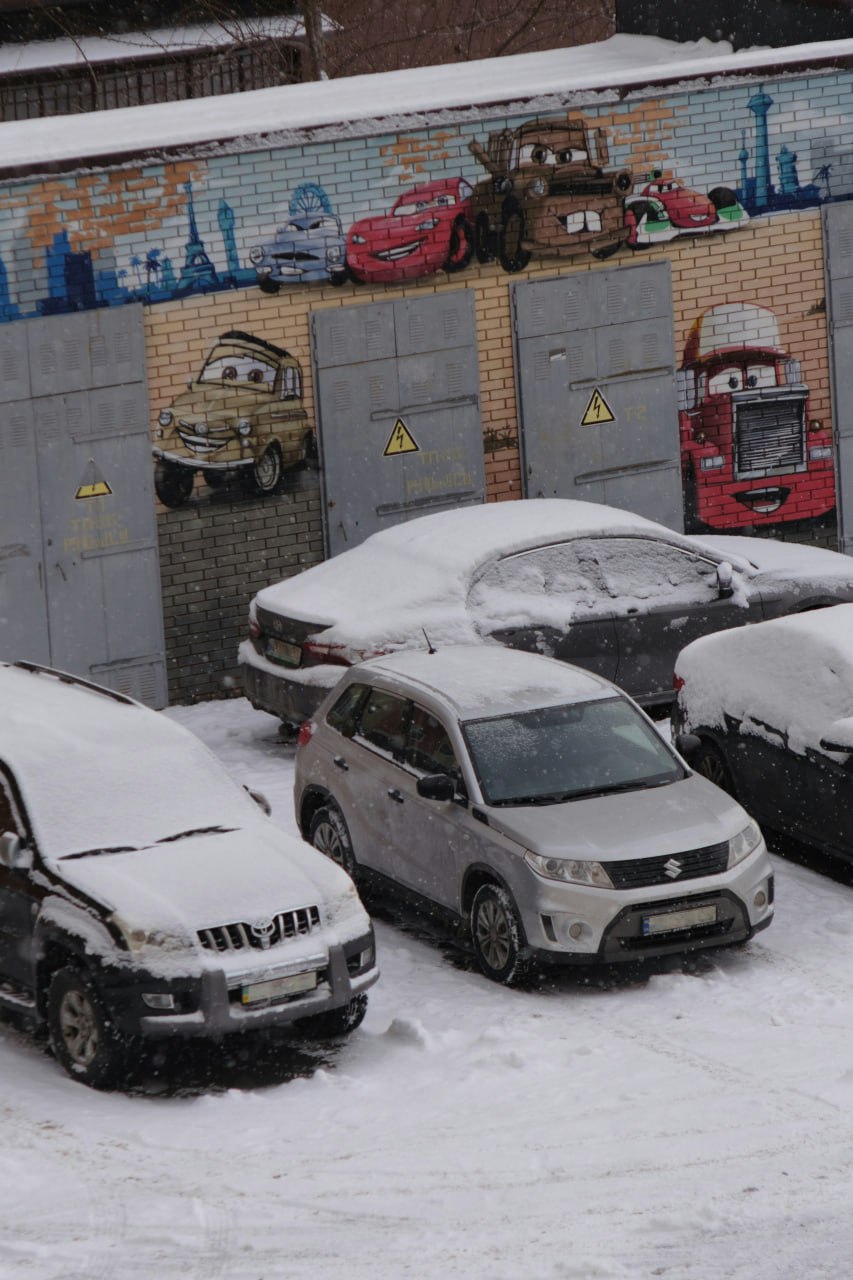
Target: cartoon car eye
572, 156
256, 375
229, 373
536, 153
760, 375
725, 380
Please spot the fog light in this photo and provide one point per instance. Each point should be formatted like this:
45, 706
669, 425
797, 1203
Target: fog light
760, 899
367, 958
576, 930
158, 999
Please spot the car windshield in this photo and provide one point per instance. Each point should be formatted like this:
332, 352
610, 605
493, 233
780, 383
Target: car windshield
238, 369
554, 754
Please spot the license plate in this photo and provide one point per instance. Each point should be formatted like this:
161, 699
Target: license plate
278, 988
669, 921
280, 651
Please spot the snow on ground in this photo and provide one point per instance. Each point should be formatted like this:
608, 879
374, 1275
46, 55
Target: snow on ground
689, 1125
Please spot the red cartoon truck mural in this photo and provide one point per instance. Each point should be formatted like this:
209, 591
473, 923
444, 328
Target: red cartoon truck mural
749, 455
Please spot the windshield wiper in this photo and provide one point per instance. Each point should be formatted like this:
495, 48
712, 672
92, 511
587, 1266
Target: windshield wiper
194, 831
562, 797
95, 853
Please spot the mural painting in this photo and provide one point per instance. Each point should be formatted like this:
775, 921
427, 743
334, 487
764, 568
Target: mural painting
664, 208
242, 418
307, 249
428, 229
750, 455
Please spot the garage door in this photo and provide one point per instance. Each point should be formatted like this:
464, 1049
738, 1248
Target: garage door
79, 567
398, 412
595, 370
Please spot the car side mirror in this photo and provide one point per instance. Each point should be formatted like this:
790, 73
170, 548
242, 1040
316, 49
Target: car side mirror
724, 580
259, 799
14, 854
838, 737
687, 745
437, 786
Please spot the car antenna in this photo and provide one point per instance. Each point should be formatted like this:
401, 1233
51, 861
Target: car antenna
429, 642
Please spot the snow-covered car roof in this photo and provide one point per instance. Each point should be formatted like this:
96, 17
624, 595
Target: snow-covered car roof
432, 559
98, 771
794, 674
475, 680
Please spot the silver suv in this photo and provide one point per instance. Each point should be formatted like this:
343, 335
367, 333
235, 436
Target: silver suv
533, 799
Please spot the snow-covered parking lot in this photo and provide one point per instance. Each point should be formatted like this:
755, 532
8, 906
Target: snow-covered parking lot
687, 1124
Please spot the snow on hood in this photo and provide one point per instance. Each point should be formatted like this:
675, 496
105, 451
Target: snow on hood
422, 570
209, 880
688, 814
782, 558
794, 674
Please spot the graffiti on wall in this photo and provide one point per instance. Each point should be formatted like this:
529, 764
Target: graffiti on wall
750, 455
242, 418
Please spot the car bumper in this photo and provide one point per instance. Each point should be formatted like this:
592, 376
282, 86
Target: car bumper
212, 1004
292, 695
199, 463
569, 926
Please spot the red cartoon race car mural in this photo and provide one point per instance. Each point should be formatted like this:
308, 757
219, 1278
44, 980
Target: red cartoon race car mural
664, 208
428, 229
749, 455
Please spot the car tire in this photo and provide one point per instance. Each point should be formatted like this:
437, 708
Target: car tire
329, 834
483, 246
269, 286
710, 762
461, 246
215, 479
498, 937
336, 1022
511, 255
722, 198
173, 484
264, 476
82, 1036
634, 214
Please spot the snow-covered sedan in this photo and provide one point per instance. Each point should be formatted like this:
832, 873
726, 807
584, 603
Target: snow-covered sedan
533, 801
143, 893
772, 706
580, 581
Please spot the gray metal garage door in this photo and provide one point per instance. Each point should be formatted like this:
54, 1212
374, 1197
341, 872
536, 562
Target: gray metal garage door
398, 412
595, 374
79, 566
838, 254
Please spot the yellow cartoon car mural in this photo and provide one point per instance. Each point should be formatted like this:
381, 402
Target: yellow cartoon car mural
243, 416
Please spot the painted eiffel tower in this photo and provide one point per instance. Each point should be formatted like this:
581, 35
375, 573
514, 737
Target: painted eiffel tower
198, 271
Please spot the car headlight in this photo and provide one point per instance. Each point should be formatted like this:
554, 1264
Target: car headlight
569, 870
138, 939
428, 224
257, 254
744, 843
356, 239
333, 253
537, 187
244, 427
165, 417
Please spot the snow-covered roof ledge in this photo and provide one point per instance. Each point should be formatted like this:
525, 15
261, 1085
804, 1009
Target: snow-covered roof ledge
54, 55
367, 105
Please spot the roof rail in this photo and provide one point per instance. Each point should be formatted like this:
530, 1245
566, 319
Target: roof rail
67, 678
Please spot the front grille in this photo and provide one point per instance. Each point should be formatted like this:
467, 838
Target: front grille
638, 873
581, 186
260, 935
770, 435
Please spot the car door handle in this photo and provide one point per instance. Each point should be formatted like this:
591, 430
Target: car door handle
341, 763
396, 795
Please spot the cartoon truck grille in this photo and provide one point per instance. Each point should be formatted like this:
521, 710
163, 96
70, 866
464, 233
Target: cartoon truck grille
770, 434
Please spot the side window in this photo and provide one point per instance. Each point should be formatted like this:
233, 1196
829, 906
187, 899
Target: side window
643, 569
428, 747
291, 383
9, 817
382, 722
343, 715
543, 583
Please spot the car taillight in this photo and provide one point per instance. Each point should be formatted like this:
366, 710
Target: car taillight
306, 733
325, 653
254, 628
677, 682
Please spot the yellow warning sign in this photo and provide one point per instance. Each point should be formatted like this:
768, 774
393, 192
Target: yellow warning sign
598, 410
93, 484
400, 440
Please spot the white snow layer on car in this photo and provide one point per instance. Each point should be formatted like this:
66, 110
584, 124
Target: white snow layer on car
794, 674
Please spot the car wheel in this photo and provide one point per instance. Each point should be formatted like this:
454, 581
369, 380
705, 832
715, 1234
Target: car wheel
709, 761
328, 833
722, 198
269, 286
173, 484
511, 255
337, 1022
265, 475
634, 215
82, 1037
498, 937
606, 250
483, 239
461, 246
214, 479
